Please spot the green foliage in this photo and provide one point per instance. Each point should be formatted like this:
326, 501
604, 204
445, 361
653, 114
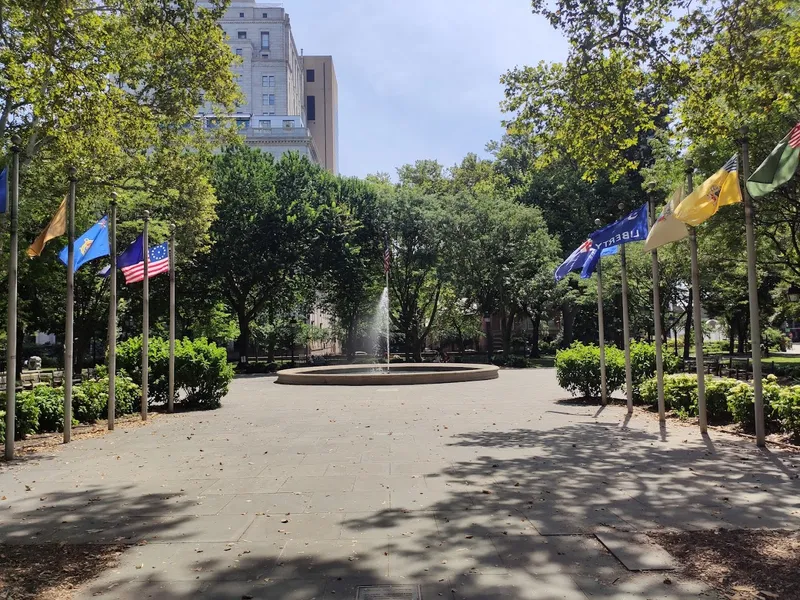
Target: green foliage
741, 403
680, 393
202, 370
129, 359
26, 415
128, 394
774, 339
2, 426
90, 400
643, 365
786, 409
50, 401
578, 369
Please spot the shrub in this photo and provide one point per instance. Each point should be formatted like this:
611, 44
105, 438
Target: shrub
772, 338
203, 372
128, 393
786, 409
643, 365
741, 403
50, 401
717, 391
90, 400
26, 414
129, 359
2, 426
578, 369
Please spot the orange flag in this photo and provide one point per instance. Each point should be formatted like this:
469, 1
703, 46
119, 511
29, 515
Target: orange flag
56, 227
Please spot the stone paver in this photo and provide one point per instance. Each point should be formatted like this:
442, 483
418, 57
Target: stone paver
493, 489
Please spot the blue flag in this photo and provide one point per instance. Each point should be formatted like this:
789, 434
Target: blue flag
579, 257
92, 244
133, 254
630, 228
4, 191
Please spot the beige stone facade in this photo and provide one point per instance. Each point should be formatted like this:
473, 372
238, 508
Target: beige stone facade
322, 108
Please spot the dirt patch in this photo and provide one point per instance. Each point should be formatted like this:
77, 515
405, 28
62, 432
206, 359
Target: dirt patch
52, 571
52, 441
742, 564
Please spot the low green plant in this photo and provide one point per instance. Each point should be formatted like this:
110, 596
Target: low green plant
741, 403
89, 400
203, 372
26, 414
643, 365
50, 401
786, 409
578, 369
717, 391
2, 426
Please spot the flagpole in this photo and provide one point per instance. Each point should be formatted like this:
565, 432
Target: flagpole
697, 308
112, 318
626, 327
145, 313
388, 319
601, 328
752, 287
657, 315
171, 397
68, 329
11, 325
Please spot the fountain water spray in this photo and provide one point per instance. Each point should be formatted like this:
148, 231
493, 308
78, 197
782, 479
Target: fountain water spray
381, 324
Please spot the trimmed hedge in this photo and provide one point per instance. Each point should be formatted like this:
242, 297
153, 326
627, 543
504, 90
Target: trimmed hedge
578, 368
731, 400
201, 370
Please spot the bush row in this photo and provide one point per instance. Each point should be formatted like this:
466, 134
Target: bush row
578, 368
731, 400
41, 409
202, 371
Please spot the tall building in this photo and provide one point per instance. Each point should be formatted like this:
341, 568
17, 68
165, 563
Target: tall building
274, 78
322, 103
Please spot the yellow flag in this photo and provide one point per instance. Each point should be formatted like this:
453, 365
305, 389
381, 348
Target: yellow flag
56, 227
721, 189
667, 228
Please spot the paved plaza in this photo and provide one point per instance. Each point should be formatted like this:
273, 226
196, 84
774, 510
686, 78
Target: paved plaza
494, 489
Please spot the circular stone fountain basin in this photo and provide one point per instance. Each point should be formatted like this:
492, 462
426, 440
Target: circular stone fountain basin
399, 374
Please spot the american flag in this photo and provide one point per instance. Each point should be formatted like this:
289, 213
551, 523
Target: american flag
158, 263
794, 137
387, 260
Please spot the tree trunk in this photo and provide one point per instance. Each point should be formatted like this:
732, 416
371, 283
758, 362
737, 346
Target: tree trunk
535, 338
506, 328
687, 333
244, 335
731, 339
350, 341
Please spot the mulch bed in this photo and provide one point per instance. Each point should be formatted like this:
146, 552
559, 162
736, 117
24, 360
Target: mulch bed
52, 571
743, 564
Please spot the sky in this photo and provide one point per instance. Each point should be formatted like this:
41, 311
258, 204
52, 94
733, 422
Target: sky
420, 79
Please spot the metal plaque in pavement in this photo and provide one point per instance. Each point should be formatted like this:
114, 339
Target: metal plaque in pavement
388, 592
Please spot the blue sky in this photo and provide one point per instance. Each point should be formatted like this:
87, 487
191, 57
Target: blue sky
419, 78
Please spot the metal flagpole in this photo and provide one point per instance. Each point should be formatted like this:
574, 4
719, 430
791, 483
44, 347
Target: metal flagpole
657, 317
697, 308
386, 267
112, 318
601, 329
626, 327
752, 287
68, 329
145, 313
171, 397
11, 330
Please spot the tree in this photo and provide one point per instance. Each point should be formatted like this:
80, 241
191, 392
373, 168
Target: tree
264, 232
416, 237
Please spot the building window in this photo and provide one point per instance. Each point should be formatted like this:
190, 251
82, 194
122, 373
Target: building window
288, 124
268, 99
265, 40
311, 108
242, 35
310, 75
242, 123
238, 52
268, 80
241, 15
264, 15
265, 124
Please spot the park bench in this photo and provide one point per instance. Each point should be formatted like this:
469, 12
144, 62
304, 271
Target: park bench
711, 365
738, 368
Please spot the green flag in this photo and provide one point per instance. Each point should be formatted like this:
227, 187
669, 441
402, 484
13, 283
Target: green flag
778, 168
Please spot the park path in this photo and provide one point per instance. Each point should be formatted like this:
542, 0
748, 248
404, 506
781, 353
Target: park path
480, 490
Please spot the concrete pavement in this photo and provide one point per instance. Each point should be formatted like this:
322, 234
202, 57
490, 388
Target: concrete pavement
485, 490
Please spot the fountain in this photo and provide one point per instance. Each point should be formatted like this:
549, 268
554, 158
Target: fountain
398, 374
